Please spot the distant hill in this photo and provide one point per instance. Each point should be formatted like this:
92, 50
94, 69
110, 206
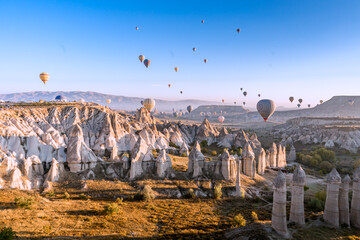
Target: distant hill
220, 108
117, 102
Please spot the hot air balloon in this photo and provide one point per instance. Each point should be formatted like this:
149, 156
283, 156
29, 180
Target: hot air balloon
238, 30
266, 108
223, 100
300, 100
108, 101
149, 104
180, 113
214, 113
321, 101
309, 105
241, 89
141, 58
299, 105
146, 63
245, 93
244, 103
202, 21
221, 119
350, 102
189, 108
82, 100
194, 49
291, 99
181, 92
44, 77
142, 102
176, 69
41, 101
234, 102
209, 114
175, 114
136, 28
169, 85
201, 114
60, 98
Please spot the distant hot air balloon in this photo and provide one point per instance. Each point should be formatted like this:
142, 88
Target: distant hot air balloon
181, 92
169, 85
146, 63
141, 58
44, 77
136, 28
259, 95
205, 60
214, 113
142, 102
221, 119
234, 102
266, 108
300, 100
60, 98
321, 101
244, 103
82, 100
41, 101
245, 93
108, 101
202, 21
180, 113
201, 113
189, 108
309, 105
223, 100
241, 89
149, 104
209, 113
175, 114
194, 49
351, 102
176, 69
291, 99
238, 30
299, 105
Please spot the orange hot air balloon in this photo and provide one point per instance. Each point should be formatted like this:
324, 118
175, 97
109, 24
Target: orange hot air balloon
44, 77
194, 49
176, 69
223, 100
169, 85
202, 21
137, 28
205, 60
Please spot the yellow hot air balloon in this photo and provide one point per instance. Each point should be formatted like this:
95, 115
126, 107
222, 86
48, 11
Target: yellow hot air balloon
108, 101
141, 58
44, 77
176, 69
149, 104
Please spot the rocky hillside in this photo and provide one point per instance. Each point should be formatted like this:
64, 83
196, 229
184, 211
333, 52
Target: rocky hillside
117, 102
39, 146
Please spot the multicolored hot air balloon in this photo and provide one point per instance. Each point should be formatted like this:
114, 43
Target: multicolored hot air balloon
108, 101
221, 119
245, 93
194, 49
136, 28
141, 58
44, 77
202, 21
175, 114
238, 30
205, 60
149, 104
176, 69
146, 63
291, 99
300, 100
266, 108
189, 108
214, 113
351, 102
223, 100
169, 85
60, 98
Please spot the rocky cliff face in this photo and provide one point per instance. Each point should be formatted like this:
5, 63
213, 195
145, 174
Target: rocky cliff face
39, 146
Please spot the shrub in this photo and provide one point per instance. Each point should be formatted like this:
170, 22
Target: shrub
146, 194
83, 196
356, 164
171, 144
321, 195
239, 151
239, 221
111, 209
50, 193
316, 204
204, 150
66, 196
326, 155
218, 191
306, 188
326, 166
190, 194
254, 216
119, 201
213, 153
23, 202
7, 234
203, 143
183, 155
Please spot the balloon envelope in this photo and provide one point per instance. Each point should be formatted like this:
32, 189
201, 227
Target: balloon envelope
44, 77
266, 108
146, 63
194, 49
291, 99
141, 58
108, 101
149, 104
300, 100
205, 60
350, 102
221, 119
245, 93
189, 108
176, 69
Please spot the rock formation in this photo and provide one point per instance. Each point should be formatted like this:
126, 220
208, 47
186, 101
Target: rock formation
355, 202
228, 166
196, 158
297, 197
278, 218
331, 212
248, 159
163, 164
238, 179
344, 213
272, 156
292, 154
261, 162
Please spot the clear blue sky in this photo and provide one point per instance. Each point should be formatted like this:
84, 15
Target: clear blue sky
304, 48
